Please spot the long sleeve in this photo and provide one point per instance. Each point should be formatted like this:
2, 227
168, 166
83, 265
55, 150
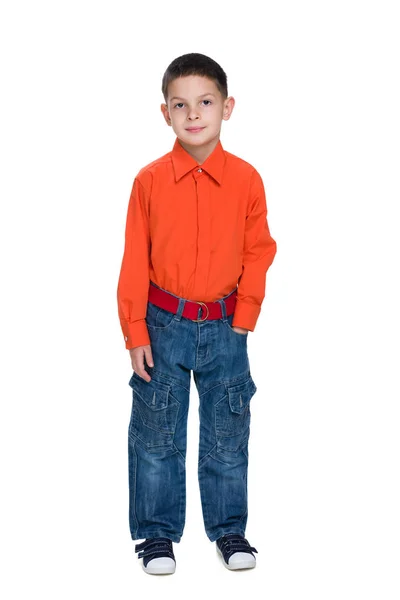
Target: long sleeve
133, 283
258, 254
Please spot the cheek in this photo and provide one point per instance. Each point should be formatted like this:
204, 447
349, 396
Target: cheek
178, 117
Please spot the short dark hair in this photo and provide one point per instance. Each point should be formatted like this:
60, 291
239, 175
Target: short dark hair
195, 64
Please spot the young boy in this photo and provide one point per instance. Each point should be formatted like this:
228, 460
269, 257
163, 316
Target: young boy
192, 281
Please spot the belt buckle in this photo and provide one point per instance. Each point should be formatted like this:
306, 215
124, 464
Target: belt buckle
200, 320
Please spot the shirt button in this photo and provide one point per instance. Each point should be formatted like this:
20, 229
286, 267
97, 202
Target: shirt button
199, 170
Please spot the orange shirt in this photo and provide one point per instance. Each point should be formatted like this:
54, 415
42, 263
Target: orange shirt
198, 231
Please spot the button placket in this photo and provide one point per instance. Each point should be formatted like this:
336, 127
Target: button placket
203, 233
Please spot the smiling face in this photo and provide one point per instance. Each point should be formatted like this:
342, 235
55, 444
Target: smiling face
196, 102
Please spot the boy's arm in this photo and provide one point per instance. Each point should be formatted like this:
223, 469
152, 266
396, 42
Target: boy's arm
258, 254
133, 283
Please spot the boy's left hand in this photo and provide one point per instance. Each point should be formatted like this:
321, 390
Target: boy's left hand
240, 329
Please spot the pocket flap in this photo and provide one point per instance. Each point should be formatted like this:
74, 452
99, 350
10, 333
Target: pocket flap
241, 394
153, 393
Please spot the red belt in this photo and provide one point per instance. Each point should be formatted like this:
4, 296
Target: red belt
211, 310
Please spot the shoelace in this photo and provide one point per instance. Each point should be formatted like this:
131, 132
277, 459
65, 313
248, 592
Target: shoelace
154, 548
231, 543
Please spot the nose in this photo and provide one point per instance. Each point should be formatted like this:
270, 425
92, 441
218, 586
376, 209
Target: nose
192, 114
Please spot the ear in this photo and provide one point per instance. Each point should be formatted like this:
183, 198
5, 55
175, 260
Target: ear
164, 110
228, 107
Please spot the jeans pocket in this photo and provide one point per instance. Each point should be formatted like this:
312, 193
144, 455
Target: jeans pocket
232, 415
154, 413
158, 318
228, 323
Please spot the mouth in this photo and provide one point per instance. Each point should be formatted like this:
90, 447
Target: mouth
194, 129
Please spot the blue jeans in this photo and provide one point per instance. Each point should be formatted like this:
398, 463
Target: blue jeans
157, 432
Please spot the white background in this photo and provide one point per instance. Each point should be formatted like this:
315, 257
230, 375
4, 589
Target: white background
317, 113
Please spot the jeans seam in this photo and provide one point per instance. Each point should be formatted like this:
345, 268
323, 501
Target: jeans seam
217, 384
170, 379
135, 490
154, 447
207, 455
179, 453
182, 498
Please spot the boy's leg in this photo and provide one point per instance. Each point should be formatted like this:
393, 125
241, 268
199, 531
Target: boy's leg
157, 434
225, 386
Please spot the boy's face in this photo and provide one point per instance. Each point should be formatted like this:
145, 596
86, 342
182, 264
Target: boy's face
195, 101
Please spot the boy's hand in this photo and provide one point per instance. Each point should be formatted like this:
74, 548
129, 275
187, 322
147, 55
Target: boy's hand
240, 329
137, 358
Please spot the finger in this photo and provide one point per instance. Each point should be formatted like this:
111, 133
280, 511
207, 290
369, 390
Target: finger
144, 375
149, 356
140, 370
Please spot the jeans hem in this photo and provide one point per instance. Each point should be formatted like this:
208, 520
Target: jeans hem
214, 536
139, 535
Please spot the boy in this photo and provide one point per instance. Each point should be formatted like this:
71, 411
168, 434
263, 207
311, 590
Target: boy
192, 280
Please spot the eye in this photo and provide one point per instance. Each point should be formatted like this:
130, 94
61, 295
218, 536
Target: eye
181, 103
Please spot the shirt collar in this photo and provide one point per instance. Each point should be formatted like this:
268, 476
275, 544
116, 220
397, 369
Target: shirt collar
183, 162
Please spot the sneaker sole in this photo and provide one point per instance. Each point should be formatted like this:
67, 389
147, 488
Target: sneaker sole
244, 564
161, 569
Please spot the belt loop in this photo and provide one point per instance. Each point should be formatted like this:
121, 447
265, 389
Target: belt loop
180, 308
221, 301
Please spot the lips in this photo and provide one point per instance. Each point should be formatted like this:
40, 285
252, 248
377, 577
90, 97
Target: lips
194, 128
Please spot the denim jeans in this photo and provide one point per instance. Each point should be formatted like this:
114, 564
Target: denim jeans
157, 432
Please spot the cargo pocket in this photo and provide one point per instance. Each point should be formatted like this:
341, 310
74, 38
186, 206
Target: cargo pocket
154, 413
232, 415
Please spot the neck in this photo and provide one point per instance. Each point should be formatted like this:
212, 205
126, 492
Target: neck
200, 153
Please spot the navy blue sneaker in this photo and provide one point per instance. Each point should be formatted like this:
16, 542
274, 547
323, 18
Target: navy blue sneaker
236, 552
158, 555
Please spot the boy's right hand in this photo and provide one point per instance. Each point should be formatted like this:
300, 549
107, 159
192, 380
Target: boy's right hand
137, 358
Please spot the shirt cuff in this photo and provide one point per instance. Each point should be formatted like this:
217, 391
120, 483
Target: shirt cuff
135, 334
246, 315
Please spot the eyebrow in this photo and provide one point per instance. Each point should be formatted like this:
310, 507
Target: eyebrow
206, 94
